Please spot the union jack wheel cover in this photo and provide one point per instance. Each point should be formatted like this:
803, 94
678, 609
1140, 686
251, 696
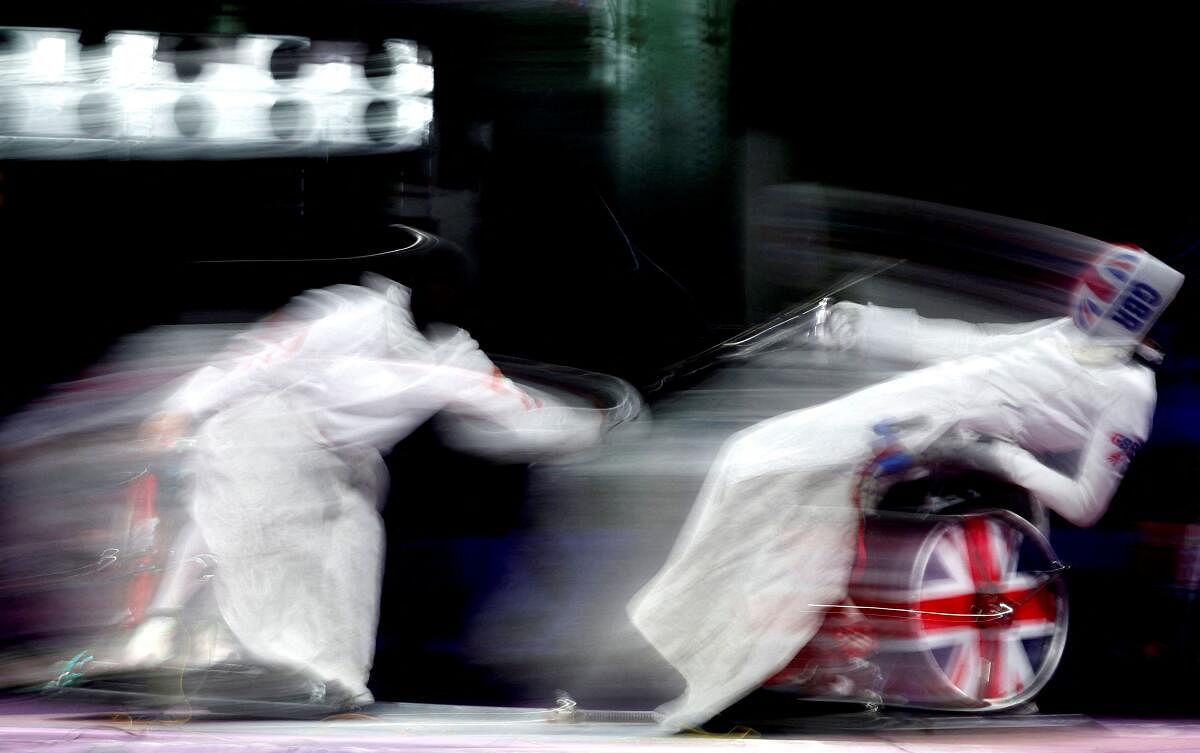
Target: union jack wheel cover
993, 607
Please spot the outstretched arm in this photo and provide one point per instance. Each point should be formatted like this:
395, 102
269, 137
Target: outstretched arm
489, 414
903, 335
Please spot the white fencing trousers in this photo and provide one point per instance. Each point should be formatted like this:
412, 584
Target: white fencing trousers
732, 606
295, 528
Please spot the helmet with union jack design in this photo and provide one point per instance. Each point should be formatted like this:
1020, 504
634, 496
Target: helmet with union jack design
1121, 295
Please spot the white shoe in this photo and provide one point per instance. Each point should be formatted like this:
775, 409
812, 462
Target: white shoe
153, 643
211, 644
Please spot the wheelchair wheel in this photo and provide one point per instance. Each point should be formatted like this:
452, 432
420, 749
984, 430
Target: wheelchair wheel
969, 611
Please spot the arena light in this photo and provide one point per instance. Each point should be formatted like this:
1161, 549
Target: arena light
49, 60
411, 74
331, 78
147, 94
37, 55
131, 59
414, 79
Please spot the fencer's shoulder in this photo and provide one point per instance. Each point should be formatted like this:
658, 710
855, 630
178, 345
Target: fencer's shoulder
454, 346
343, 318
442, 331
449, 338
1058, 327
1141, 377
321, 303
1133, 382
387, 288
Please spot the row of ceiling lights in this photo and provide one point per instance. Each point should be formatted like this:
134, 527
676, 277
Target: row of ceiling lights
220, 90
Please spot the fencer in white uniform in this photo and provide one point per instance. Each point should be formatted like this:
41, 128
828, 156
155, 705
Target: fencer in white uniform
773, 531
290, 429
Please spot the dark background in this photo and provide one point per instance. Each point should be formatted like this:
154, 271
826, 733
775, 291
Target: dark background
604, 223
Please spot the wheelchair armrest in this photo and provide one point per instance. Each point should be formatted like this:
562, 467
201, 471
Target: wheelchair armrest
946, 490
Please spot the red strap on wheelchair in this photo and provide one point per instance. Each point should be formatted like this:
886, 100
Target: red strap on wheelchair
864, 474
143, 509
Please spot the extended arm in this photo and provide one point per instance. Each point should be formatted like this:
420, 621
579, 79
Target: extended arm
903, 335
487, 413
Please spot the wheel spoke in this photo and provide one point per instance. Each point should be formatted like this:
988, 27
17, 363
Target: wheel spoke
1008, 542
993, 668
1021, 671
964, 667
980, 553
951, 553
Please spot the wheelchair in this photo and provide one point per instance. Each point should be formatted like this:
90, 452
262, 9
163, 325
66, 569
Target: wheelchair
956, 603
